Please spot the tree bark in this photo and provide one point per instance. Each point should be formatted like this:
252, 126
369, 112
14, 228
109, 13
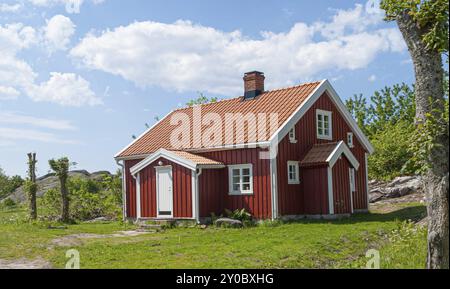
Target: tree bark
65, 201
429, 90
32, 188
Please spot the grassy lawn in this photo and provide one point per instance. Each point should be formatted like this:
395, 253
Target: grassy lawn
304, 244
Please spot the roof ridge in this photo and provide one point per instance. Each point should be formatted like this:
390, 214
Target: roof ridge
237, 97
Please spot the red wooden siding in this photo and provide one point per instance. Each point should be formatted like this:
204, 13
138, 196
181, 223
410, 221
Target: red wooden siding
341, 187
130, 189
290, 196
182, 190
314, 191
214, 185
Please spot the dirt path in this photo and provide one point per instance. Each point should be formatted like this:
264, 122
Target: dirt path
77, 239
25, 264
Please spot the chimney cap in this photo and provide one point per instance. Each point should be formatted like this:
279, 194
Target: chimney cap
254, 72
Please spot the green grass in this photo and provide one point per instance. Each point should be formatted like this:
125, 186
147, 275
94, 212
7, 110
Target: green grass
304, 244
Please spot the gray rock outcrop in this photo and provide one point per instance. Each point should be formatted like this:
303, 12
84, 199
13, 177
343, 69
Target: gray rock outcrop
50, 181
399, 187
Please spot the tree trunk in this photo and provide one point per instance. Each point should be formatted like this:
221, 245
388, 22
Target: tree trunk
32, 188
429, 90
65, 201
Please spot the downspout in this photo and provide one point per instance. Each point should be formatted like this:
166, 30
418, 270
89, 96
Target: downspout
124, 197
198, 173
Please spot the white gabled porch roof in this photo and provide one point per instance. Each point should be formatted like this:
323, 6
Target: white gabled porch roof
185, 159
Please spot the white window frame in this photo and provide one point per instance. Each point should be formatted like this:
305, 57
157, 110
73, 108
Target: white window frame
292, 136
352, 180
350, 142
295, 181
230, 179
324, 113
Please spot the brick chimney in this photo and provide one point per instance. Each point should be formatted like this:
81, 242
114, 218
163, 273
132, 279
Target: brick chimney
254, 84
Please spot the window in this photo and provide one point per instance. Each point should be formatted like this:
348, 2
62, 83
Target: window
293, 173
241, 179
350, 140
324, 124
292, 137
352, 180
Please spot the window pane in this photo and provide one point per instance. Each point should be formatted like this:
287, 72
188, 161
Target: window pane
246, 179
325, 118
246, 187
236, 180
319, 117
320, 131
236, 172
326, 132
236, 187
246, 172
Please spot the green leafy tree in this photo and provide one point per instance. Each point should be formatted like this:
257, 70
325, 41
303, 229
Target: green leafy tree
201, 99
387, 118
9, 184
61, 169
424, 25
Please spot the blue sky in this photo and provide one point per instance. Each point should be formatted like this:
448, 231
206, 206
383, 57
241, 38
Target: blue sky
79, 78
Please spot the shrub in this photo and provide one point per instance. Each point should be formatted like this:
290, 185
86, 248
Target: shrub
392, 156
89, 199
7, 204
241, 215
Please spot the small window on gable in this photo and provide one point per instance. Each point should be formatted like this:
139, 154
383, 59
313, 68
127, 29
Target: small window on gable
241, 179
293, 173
324, 124
292, 137
350, 140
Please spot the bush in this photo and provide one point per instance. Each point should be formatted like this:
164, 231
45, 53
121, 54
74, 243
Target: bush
392, 157
241, 215
7, 204
88, 199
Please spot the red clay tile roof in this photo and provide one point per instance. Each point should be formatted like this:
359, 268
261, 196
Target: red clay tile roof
318, 155
284, 102
199, 160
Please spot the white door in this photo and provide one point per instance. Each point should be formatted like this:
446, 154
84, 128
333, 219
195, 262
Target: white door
165, 192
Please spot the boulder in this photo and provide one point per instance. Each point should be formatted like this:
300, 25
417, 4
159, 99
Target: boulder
375, 197
230, 222
399, 187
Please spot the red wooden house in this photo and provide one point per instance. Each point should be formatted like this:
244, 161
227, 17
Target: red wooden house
308, 157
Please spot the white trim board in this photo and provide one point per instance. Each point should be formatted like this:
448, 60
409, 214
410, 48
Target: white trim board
340, 149
142, 134
324, 86
171, 157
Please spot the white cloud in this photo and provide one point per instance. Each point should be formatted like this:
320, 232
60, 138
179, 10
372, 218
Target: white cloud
15, 37
71, 6
372, 78
10, 134
22, 119
17, 76
15, 73
58, 32
8, 93
186, 57
10, 8
66, 89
